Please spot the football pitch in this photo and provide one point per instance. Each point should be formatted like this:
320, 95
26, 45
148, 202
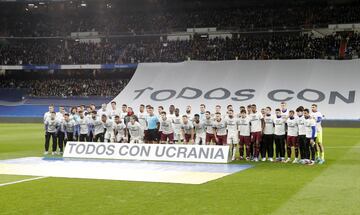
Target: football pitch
267, 188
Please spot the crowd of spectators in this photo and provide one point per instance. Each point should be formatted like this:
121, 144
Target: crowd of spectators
57, 20
353, 46
68, 87
64, 84
49, 25
266, 46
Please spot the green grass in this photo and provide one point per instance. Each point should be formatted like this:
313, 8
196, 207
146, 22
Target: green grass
269, 188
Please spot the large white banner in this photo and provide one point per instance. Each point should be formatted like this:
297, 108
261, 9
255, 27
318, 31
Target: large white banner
154, 152
333, 85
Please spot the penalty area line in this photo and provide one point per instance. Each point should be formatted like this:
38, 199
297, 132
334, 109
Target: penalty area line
24, 180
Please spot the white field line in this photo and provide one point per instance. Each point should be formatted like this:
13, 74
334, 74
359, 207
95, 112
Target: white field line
24, 180
341, 147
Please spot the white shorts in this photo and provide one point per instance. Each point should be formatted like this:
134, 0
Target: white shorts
118, 138
200, 138
178, 136
136, 140
232, 139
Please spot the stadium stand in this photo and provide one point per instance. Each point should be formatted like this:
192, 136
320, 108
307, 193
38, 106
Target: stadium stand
264, 46
63, 17
67, 87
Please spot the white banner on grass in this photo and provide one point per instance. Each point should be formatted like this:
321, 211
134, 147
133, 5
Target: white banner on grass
154, 152
333, 85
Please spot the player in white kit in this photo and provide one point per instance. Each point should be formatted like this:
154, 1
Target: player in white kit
310, 130
114, 111
177, 121
103, 111
249, 109
240, 108
171, 114
257, 126
89, 115
60, 135
220, 130
302, 134
142, 115
98, 127
124, 112
217, 110
268, 136
135, 131
292, 135
228, 108
279, 136
119, 131
232, 131
108, 125
244, 134
284, 111
189, 114
199, 129
209, 127
284, 114
68, 127
160, 109
52, 125
84, 124
319, 136
167, 130
187, 129
48, 114
202, 113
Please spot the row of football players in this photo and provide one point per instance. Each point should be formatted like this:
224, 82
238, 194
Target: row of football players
271, 128
91, 129
256, 131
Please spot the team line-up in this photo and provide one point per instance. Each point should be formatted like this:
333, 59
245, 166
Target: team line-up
252, 132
